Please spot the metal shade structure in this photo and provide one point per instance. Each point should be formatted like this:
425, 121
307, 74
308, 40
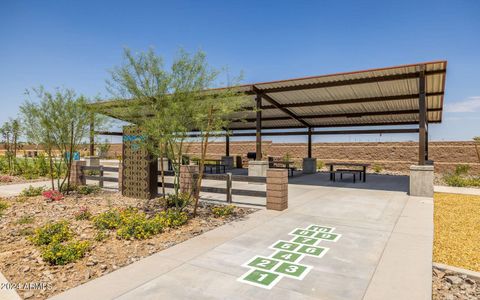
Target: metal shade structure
400, 95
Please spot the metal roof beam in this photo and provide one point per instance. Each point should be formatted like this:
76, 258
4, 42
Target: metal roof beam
354, 100
279, 106
348, 115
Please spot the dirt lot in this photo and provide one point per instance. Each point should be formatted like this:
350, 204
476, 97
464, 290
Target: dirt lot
21, 262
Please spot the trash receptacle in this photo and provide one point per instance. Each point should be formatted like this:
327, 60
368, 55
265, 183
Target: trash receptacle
238, 162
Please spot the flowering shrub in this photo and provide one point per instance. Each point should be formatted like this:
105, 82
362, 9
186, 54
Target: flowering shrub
107, 220
171, 218
52, 233
6, 178
56, 247
53, 195
83, 214
222, 211
133, 224
61, 254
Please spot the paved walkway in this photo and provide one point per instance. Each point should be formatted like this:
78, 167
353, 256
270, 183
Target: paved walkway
384, 251
15, 189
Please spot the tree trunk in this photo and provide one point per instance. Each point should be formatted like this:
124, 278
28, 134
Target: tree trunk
201, 163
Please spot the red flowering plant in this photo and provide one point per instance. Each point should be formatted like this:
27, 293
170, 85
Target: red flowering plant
53, 195
6, 178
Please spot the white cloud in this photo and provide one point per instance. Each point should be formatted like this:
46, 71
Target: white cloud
471, 104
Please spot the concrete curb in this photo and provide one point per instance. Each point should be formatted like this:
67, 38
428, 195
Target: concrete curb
7, 294
471, 274
456, 190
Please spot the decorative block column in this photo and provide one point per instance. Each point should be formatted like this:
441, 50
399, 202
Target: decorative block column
421, 181
228, 162
309, 165
76, 176
277, 189
187, 182
257, 168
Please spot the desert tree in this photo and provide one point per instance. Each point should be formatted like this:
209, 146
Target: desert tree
10, 132
167, 104
58, 121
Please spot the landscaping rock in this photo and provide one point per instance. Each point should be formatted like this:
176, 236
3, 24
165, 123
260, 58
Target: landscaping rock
22, 261
453, 286
453, 279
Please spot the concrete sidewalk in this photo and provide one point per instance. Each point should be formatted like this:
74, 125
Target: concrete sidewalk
9, 190
456, 190
384, 251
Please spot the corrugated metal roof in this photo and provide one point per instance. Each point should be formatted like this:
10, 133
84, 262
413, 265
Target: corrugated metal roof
372, 97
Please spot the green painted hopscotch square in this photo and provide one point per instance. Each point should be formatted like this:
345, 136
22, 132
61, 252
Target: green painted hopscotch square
305, 240
287, 256
261, 262
303, 232
284, 245
332, 237
319, 228
260, 278
295, 271
312, 250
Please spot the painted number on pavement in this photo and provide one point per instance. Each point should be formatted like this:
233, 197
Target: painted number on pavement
266, 272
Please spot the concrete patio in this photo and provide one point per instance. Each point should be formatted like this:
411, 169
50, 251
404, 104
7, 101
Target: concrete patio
384, 251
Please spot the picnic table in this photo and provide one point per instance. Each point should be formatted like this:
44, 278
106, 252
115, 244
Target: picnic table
283, 165
334, 170
212, 163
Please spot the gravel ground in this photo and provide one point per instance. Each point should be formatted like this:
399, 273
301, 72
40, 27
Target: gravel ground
21, 262
448, 285
457, 223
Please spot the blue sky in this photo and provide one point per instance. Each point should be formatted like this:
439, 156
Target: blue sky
74, 43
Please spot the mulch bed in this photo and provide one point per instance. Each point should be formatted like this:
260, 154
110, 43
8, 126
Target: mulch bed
21, 262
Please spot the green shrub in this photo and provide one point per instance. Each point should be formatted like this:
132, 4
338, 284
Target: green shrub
460, 181
461, 170
26, 220
41, 165
52, 233
179, 201
171, 218
3, 207
64, 253
108, 220
377, 168
32, 191
135, 225
223, 210
101, 235
87, 189
320, 164
83, 214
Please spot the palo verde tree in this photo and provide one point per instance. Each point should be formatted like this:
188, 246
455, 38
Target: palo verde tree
168, 104
58, 121
10, 132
